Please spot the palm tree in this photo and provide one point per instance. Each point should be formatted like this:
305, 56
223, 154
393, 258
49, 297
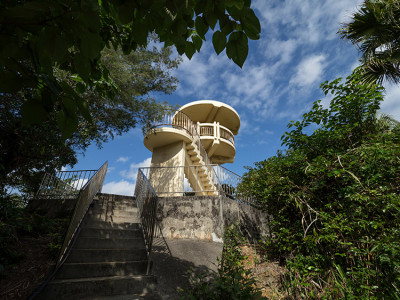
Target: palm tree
375, 29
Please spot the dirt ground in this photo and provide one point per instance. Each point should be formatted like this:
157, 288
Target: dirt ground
268, 274
19, 281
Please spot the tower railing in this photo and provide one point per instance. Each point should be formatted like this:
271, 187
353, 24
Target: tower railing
209, 129
180, 120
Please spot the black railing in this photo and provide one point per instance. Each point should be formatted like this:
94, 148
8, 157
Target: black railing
146, 200
63, 184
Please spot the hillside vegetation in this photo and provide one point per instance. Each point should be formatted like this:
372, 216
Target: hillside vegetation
334, 198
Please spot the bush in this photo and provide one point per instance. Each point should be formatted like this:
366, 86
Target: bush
232, 280
334, 198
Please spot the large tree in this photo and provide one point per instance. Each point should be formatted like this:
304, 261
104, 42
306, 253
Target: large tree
27, 152
38, 35
375, 29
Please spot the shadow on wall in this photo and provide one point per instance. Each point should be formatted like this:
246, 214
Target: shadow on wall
187, 257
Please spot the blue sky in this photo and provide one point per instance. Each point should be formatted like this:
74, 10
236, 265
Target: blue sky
298, 50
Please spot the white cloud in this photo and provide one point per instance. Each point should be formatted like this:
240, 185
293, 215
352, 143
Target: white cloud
122, 187
123, 159
309, 71
133, 169
110, 169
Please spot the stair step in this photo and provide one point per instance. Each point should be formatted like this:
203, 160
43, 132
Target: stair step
146, 296
98, 243
101, 269
68, 289
99, 224
115, 212
112, 219
110, 233
115, 209
106, 255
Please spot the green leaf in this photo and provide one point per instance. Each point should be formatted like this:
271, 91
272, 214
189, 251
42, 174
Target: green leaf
140, 32
82, 66
91, 45
251, 25
211, 19
201, 26
181, 48
126, 11
80, 88
197, 41
33, 112
219, 41
69, 106
237, 47
54, 44
68, 124
84, 109
190, 49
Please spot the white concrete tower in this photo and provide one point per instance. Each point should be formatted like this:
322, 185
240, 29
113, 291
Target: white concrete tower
185, 143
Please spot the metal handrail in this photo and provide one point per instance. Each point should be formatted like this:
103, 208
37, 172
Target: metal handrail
146, 200
224, 181
86, 195
85, 198
64, 184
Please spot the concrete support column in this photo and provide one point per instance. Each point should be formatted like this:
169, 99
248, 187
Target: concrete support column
168, 181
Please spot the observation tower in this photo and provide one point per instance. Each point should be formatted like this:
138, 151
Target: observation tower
188, 144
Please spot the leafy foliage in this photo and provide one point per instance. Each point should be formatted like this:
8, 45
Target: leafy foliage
232, 280
26, 153
37, 36
375, 29
334, 198
16, 222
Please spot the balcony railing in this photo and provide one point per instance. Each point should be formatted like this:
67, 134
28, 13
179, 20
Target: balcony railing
207, 129
178, 119
227, 135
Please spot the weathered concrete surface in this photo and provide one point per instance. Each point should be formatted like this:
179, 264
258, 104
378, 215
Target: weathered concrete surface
173, 270
204, 218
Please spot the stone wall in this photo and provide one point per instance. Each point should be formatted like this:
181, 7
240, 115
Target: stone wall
204, 218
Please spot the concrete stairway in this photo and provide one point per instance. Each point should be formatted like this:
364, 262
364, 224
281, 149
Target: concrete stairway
109, 259
199, 178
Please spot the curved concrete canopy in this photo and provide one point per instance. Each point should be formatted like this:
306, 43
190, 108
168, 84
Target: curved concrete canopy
208, 111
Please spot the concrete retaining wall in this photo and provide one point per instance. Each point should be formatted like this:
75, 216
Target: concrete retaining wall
204, 218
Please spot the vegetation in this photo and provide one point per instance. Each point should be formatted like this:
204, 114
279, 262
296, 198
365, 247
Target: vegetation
16, 223
334, 198
232, 280
375, 29
37, 36
24, 160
